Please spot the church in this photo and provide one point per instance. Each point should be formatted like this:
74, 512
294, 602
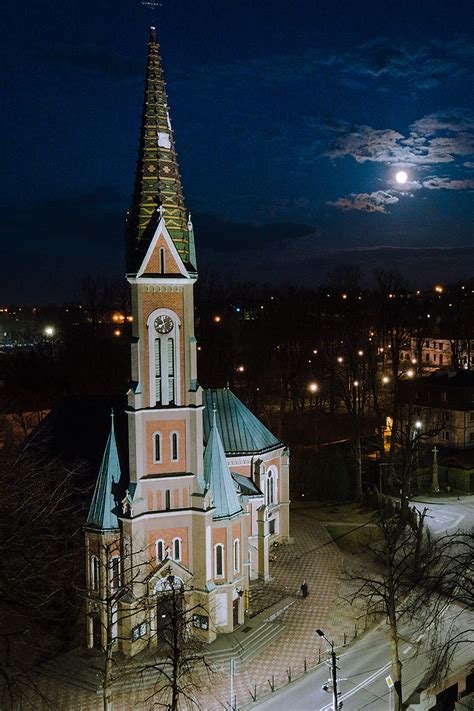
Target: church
205, 491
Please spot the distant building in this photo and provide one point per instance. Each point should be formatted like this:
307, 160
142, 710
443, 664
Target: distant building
205, 490
444, 405
436, 352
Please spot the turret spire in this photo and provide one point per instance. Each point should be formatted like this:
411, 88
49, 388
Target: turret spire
158, 191
101, 513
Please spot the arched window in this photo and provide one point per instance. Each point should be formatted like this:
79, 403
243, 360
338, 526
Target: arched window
271, 495
219, 560
236, 555
157, 448
94, 573
167, 500
174, 443
163, 330
159, 550
177, 548
115, 577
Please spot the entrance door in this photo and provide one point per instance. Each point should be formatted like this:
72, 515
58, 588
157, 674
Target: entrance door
235, 612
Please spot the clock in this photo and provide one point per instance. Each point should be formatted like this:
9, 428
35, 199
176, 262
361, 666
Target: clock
163, 324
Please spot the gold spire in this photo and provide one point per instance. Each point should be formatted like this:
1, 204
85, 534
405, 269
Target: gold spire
158, 181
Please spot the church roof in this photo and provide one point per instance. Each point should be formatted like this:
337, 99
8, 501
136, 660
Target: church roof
241, 432
102, 510
218, 477
158, 180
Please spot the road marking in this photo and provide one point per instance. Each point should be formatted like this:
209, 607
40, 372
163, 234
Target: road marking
360, 685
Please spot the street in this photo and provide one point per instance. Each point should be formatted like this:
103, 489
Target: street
363, 670
447, 514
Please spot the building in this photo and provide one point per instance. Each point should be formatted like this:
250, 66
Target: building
443, 403
205, 489
435, 352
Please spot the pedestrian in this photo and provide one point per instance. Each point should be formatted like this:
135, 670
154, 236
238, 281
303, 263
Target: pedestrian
304, 588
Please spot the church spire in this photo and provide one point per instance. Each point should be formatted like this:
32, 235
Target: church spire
158, 189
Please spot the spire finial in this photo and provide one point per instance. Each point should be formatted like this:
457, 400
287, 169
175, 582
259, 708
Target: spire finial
214, 411
112, 417
152, 35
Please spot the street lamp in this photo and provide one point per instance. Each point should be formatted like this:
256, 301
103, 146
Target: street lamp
49, 331
313, 388
333, 665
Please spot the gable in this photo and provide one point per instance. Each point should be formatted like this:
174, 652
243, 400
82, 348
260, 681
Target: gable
162, 247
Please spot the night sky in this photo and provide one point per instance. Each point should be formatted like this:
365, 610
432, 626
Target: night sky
291, 120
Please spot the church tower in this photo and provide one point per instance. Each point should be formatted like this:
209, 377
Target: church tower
178, 517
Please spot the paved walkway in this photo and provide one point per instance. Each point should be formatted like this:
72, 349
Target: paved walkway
312, 556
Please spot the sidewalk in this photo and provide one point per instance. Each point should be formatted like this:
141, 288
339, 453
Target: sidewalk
312, 556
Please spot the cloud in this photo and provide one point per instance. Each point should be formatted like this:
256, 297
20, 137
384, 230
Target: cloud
434, 139
469, 164
380, 63
365, 202
443, 183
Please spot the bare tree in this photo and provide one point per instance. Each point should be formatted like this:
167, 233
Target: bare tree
40, 562
395, 565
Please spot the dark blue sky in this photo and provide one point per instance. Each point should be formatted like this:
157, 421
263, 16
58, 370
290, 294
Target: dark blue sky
290, 118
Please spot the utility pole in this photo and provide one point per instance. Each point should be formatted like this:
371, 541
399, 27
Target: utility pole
335, 705
332, 685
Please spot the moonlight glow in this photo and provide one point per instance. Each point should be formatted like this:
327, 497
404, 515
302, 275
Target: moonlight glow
401, 177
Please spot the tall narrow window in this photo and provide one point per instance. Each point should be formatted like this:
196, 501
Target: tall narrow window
157, 447
236, 555
219, 560
167, 499
174, 447
94, 573
115, 572
177, 549
158, 369
162, 261
159, 550
171, 369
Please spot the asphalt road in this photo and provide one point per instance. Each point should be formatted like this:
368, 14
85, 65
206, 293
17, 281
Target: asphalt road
363, 670
447, 514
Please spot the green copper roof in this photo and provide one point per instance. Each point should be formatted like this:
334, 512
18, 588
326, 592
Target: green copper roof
103, 502
218, 477
157, 181
240, 430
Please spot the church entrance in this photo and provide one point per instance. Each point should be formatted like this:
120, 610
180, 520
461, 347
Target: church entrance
235, 612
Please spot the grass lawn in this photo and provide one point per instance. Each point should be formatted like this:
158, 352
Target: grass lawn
349, 540
343, 521
328, 512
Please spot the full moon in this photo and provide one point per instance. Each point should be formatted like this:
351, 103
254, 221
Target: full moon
401, 177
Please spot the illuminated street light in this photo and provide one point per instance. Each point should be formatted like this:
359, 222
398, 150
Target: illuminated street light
217, 319
385, 379
356, 383
360, 353
410, 373
418, 424
340, 359
313, 388
240, 369
49, 331
117, 332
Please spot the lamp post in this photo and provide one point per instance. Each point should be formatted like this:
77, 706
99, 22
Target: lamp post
416, 436
313, 389
333, 666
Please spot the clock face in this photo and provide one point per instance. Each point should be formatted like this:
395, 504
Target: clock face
163, 324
